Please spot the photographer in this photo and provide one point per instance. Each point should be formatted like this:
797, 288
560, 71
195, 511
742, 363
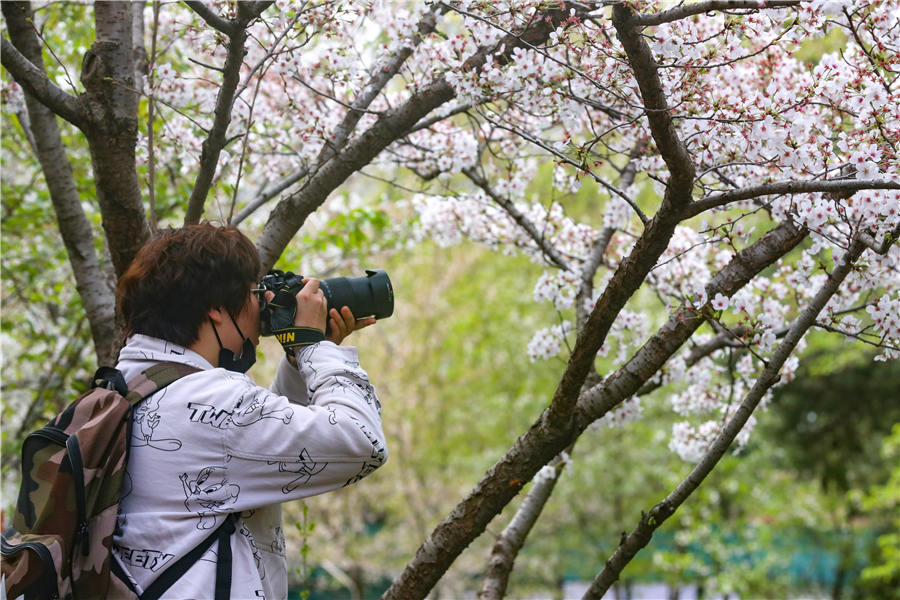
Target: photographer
213, 443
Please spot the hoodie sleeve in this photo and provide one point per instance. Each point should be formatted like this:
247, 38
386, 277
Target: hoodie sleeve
289, 382
278, 450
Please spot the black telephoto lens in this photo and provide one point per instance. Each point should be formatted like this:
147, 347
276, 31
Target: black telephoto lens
371, 295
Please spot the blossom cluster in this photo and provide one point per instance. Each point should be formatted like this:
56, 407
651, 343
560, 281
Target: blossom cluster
626, 412
885, 315
547, 342
691, 442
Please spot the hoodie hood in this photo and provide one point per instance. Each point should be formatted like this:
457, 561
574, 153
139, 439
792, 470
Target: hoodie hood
142, 351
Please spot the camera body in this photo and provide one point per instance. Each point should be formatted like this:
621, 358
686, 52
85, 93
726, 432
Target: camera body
370, 295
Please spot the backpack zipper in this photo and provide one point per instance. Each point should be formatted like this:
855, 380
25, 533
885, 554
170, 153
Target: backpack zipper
74, 452
56, 436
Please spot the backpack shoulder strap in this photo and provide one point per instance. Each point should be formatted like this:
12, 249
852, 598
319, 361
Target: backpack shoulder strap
155, 378
110, 379
173, 573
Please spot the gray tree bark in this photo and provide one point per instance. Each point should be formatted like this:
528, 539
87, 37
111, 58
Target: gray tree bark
510, 541
111, 103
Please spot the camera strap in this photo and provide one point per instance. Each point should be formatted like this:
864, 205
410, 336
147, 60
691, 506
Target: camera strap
291, 338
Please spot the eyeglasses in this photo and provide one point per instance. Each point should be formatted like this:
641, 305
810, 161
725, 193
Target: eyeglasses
260, 294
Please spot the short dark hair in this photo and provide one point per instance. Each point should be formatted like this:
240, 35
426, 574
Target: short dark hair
180, 274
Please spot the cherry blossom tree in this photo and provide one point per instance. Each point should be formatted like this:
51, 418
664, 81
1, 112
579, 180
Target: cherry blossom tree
751, 195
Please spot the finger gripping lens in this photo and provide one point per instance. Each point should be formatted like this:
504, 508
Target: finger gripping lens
371, 295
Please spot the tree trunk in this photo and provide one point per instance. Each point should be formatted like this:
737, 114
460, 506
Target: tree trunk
111, 102
96, 294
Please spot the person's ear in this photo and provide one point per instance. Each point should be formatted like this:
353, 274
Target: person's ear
217, 315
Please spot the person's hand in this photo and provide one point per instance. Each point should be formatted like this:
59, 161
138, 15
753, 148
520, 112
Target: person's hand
312, 307
343, 324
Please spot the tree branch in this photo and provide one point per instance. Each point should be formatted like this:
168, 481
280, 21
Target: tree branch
866, 51
216, 140
580, 166
546, 248
25, 124
588, 271
268, 194
473, 514
640, 536
141, 58
35, 82
212, 19
682, 324
290, 214
250, 11
151, 110
598, 250
512, 538
429, 121
786, 187
882, 248
725, 339
537, 446
656, 235
382, 74
273, 50
640, 57
682, 12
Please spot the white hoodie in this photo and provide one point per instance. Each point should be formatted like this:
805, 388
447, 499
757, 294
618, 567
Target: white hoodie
214, 443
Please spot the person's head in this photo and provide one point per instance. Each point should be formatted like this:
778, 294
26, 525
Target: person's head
180, 275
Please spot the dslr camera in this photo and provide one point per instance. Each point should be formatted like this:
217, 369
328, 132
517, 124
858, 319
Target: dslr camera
370, 295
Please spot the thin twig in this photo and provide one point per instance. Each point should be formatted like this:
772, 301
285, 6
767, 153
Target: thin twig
682, 12
549, 251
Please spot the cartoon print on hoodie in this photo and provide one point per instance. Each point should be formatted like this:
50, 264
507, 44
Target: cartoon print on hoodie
306, 360
208, 494
365, 389
146, 419
171, 348
305, 468
255, 411
254, 548
378, 453
358, 378
142, 557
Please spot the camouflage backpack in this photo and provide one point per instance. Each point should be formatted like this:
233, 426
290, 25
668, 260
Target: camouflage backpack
59, 545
